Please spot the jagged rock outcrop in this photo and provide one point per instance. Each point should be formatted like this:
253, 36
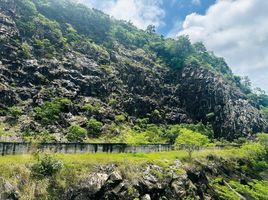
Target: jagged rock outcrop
189, 95
203, 92
158, 183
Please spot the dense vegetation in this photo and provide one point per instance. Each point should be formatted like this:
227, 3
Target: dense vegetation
45, 22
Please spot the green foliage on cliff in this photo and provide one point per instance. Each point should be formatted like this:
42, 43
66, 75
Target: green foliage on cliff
15, 112
49, 112
94, 127
62, 23
236, 191
55, 29
58, 25
76, 134
264, 112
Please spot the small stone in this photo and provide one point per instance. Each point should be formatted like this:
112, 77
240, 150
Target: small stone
115, 176
146, 197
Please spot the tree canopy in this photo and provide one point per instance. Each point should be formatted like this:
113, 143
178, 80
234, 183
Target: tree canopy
190, 140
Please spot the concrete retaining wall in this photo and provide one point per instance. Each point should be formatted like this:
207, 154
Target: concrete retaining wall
10, 148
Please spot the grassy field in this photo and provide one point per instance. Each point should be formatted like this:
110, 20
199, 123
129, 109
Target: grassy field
17, 169
105, 158
81, 164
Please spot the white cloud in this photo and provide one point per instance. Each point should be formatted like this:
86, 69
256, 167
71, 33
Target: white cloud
140, 12
238, 31
196, 2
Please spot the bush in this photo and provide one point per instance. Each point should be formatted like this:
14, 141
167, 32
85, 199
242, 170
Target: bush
264, 112
119, 118
173, 131
76, 134
254, 150
49, 112
46, 166
134, 138
26, 50
262, 138
155, 134
14, 113
91, 109
94, 127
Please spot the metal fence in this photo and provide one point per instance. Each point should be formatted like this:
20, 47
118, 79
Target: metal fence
13, 148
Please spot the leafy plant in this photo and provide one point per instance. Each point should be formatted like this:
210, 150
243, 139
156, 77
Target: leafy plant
14, 113
26, 50
46, 166
119, 118
49, 112
190, 141
94, 127
253, 150
76, 134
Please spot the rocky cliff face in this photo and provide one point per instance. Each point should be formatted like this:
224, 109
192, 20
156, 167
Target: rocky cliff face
208, 97
138, 88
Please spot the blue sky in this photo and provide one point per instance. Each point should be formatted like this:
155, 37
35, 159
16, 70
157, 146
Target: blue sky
176, 11
236, 30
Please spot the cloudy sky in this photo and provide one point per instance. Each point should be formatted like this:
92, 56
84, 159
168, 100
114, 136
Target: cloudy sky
234, 29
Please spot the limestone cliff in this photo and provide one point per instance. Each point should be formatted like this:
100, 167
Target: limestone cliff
131, 77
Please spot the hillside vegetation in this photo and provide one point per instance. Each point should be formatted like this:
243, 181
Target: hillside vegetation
70, 73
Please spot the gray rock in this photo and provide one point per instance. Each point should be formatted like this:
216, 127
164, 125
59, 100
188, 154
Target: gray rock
8, 191
146, 197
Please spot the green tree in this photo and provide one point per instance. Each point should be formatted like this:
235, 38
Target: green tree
14, 112
264, 112
76, 134
262, 138
94, 127
26, 50
190, 140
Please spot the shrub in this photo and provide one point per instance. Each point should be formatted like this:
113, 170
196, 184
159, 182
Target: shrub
33, 136
119, 118
49, 112
91, 109
94, 127
14, 112
112, 102
262, 138
132, 137
46, 166
173, 130
155, 134
76, 134
155, 115
253, 150
141, 123
44, 48
26, 50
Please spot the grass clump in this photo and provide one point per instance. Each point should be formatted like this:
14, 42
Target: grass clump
46, 166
